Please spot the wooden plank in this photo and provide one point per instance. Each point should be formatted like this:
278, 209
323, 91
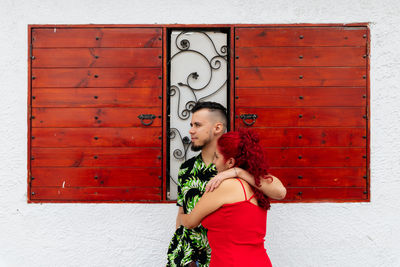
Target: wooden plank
303, 117
97, 57
97, 77
96, 157
312, 137
315, 194
316, 157
301, 57
94, 117
95, 177
300, 36
97, 97
96, 137
96, 37
301, 96
300, 76
321, 177
97, 194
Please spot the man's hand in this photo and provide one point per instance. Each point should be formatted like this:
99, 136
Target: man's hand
217, 179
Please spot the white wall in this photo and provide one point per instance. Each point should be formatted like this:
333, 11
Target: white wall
348, 234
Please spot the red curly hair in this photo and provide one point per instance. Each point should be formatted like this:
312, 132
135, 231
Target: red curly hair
243, 145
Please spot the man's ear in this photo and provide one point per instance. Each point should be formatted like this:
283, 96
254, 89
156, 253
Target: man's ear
230, 162
219, 128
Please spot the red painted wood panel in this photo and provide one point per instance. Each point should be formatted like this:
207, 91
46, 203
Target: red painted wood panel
301, 57
95, 177
312, 137
304, 117
96, 37
97, 97
300, 76
300, 36
96, 157
315, 194
317, 157
301, 97
96, 57
93, 117
97, 194
97, 77
96, 137
321, 177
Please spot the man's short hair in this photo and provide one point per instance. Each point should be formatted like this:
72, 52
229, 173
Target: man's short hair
212, 107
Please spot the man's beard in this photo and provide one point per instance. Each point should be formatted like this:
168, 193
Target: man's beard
200, 147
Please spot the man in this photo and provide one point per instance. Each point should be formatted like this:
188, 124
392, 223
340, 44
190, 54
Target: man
209, 122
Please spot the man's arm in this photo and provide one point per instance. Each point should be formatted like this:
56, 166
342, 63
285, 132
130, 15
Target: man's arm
208, 203
270, 185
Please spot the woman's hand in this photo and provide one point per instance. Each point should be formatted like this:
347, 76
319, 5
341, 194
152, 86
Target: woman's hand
217, 179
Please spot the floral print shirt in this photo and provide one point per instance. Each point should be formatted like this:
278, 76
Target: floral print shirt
191, 245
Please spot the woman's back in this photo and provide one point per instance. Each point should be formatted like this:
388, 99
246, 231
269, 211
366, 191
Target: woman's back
236, 231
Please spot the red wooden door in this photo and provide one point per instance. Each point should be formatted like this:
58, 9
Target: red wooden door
308, 88
89, 89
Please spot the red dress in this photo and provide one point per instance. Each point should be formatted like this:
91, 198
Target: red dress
236, 234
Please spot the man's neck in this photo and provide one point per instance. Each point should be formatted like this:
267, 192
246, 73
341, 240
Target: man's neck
207, 153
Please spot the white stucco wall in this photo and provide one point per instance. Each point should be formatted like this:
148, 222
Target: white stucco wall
326, 234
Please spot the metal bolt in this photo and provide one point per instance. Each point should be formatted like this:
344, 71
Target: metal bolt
364, 156
95, 157
301, 97
33, 57
159, 177
365, 192
364, 36
300, 157
300, 136
300, 193
300, 177
33, 193
97, 38
301, 77
96, 138
159, 77
33, 77
236, 97
95, 117
33, 97
237, 77
364, 56
237, 37
96, 76
365, 177
32, 158
301, 57
160, 137
365, 116
159, 56
300, 115
237, 57
159, 157
365, 137
96, 57
301, 36
364, 76
33, 137
159, 38
96, 177
160, 97
364, 96
32, 117
159, 116
95, 97
237, 116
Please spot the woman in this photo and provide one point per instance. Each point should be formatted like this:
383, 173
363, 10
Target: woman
235, 213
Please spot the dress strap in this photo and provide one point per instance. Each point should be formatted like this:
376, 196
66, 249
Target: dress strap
251, 197
243, 188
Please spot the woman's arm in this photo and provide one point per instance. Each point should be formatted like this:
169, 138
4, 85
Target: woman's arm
208, 203
270, 185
